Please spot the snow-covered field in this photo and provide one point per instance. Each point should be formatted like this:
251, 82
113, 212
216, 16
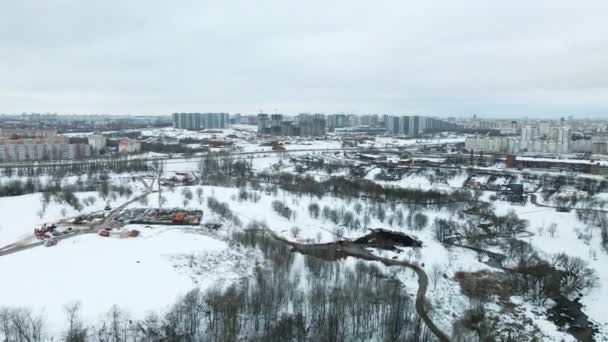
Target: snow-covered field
139, 274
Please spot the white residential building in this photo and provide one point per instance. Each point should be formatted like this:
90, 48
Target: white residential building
41, 149
97, 142
127, 146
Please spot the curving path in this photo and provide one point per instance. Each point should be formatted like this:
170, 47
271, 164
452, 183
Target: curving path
346, 248
533, 200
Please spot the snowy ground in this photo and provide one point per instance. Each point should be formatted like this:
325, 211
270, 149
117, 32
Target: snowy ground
132, 273
421, 180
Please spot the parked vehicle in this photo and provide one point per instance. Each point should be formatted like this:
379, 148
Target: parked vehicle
104, 233
213, 226
70, 230
50, 242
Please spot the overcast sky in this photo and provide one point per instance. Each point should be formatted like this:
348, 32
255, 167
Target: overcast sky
490, 58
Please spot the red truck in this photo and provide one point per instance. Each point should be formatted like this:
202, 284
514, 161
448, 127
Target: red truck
179, 217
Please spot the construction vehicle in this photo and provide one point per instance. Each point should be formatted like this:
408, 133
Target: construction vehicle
179, 217
39, 233
43, 232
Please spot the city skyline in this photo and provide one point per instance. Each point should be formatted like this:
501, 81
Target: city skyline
473, 116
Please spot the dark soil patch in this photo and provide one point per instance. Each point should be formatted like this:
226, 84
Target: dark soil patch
386, 239
484, 284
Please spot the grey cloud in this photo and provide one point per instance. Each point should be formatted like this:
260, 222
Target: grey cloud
435, 57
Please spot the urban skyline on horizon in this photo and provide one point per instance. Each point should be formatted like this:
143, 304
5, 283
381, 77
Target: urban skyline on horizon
439, 115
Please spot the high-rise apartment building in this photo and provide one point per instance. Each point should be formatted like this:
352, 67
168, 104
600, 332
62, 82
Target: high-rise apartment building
196, 121
302, 125
415, 125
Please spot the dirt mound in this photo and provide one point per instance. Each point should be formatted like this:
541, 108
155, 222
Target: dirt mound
386, 239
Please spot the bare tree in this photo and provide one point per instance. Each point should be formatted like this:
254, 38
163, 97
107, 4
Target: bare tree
436, 273
313, 210
366, 219
76, 331
358, 207
334, 216
575, 275
295, 231
348, 218
420, 221
92, 199
540, 230
552, 230
19, 324
339, 232
143, 201
187, 194
199, 195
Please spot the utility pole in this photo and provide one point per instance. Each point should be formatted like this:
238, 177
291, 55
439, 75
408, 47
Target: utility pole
160, 201
159, 170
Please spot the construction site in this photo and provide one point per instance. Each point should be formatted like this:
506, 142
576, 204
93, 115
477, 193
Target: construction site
110, 226
173, 216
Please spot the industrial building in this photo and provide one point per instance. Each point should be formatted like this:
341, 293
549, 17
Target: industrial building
594, 167
197, 121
